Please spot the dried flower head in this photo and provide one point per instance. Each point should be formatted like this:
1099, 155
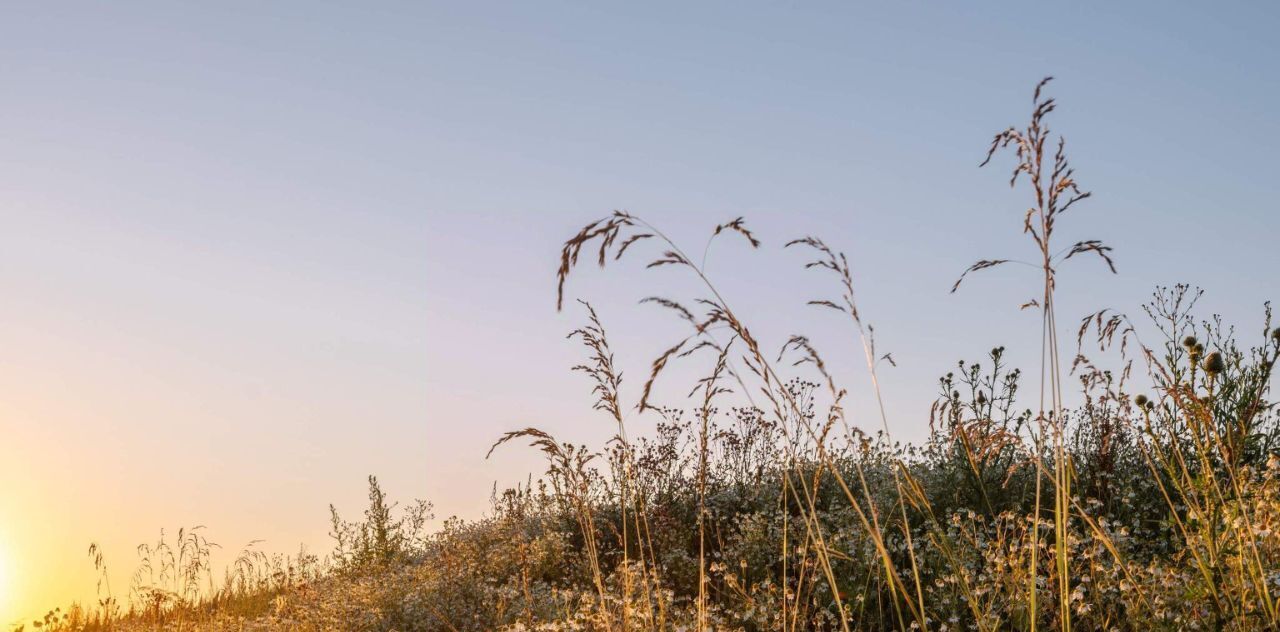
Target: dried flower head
1197, 352
1214, 364
1189, 342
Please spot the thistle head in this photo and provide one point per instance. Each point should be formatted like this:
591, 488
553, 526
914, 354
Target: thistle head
1141, 401
1214, 364
1189, 342
1197, 352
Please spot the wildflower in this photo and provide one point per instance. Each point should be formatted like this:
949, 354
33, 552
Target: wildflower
1141, 401
1189, 342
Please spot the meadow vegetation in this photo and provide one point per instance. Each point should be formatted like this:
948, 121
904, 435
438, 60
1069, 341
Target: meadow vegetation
1154, 504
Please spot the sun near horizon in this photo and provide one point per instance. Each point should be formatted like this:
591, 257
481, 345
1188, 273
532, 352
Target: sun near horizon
9, 577
6, 589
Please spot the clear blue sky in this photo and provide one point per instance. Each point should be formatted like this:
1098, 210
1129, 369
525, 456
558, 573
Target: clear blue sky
250, 253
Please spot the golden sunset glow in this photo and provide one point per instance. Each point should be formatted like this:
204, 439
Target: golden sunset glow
6, 587
316, 315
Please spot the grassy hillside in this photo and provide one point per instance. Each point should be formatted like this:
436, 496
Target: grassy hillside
762, 507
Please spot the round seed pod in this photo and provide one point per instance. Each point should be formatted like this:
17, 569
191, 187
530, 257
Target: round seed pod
1214, 364
1141, 401
1189, 342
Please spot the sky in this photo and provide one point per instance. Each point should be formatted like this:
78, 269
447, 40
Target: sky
251, 254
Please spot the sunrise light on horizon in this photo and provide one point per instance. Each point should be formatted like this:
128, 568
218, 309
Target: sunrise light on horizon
253, 254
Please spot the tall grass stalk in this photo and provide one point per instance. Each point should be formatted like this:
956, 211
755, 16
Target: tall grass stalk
1054, 193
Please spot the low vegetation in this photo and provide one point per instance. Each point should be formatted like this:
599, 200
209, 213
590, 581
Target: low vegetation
1154, 504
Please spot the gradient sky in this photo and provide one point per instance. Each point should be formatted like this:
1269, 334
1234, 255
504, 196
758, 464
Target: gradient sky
250, 254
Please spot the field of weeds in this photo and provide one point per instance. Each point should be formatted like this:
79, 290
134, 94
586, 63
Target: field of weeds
763, 507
